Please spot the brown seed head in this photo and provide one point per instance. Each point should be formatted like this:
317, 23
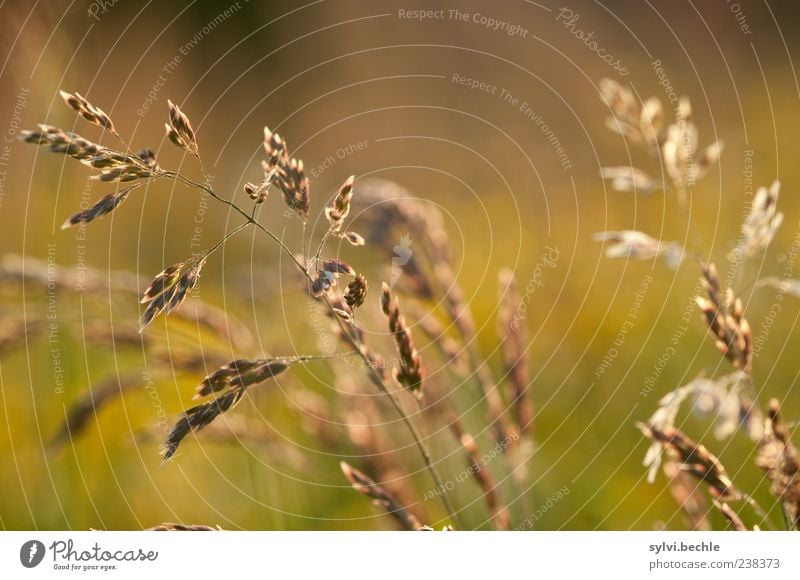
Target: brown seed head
180, 131
410, 372
356, 292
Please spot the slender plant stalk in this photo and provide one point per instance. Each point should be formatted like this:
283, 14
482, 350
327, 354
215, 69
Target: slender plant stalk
346, 332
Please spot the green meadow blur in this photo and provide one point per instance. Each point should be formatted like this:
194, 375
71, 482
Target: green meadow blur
451, 107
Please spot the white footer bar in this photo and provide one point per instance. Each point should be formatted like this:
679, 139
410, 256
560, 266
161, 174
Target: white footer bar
387, 555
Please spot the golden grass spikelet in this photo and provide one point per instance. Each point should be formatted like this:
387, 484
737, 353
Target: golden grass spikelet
763, 221
339, 208
726, 321
88, 111
113, 165
626, 178
242, 373
354, 238
410, 372
477, 467
276, 151
233, 379
380, 496
511, 330
356, 292
636, 245
197, 417
103, 207
694, 458
170, 288
294, 186
180, 131
779, 460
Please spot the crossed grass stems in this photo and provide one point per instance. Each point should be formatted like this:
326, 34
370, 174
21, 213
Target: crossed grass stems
229, 383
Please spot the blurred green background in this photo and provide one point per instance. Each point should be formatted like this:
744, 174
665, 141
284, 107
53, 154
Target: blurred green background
330, 75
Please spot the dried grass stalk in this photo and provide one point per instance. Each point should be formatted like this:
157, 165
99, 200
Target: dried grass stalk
734, 521
294, 186
395, 212
197, 417
788, 286
339, 208
511, 330
688, 497
356, 292
335, 266
173, 527
450, 349
170, 288
289, 173
781, 464
242, 373
628, 179
409, 373
113, 165
382, 498
763, 221
695, 459
88, 111
233, 378
644, 124
16, 331
86, 407
180, 131
726, 321
477, 466
639, 246
354, 238
277, 154
103, 207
